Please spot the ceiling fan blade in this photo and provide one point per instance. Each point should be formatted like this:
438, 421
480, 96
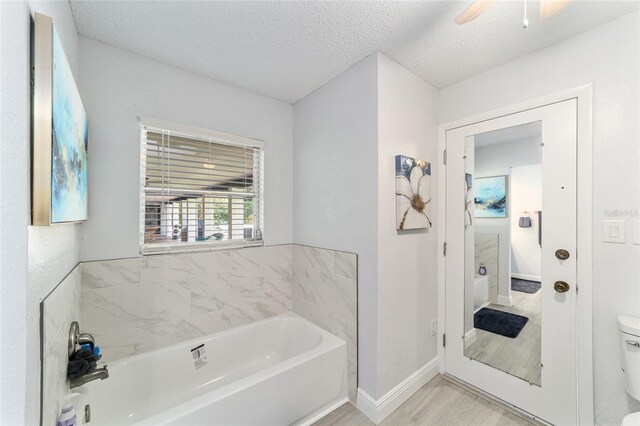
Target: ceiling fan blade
550, 7
473, 11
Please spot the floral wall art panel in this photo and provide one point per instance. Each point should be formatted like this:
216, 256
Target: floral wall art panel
413, 193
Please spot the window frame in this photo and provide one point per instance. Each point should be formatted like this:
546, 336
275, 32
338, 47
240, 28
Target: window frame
157, 125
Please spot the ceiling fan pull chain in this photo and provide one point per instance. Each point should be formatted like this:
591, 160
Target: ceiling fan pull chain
525, 22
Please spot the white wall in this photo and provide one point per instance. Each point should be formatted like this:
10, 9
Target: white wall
606, 56
347, 134
117, 87
407, 286
14, 209
526, 195
497, 159
341, 143
53, 250
335, 188
38, 257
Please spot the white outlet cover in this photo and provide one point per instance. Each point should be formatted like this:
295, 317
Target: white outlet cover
614, 231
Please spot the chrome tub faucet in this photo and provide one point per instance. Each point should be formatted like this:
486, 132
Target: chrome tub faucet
99, 373
83, 358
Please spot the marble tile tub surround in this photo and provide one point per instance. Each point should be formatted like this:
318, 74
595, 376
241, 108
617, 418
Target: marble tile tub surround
325, 292
486, 251
135, 305
58, 310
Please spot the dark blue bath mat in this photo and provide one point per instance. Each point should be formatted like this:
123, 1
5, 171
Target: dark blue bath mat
525, 286
499, 322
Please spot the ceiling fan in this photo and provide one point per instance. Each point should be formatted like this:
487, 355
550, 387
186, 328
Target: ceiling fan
547, 8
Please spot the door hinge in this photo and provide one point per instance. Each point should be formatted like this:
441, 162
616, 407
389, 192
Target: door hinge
444, 156
444, 340
444, 249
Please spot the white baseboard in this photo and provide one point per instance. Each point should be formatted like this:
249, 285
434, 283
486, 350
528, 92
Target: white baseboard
505, 300
470, 338
379, 410
484, 305
526, 277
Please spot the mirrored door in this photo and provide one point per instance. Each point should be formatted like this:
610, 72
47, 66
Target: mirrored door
503, 244
510, 264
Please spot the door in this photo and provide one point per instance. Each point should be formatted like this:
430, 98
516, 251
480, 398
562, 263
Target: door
511, 259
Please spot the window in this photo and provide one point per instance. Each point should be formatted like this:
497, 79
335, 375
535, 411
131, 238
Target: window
200, 189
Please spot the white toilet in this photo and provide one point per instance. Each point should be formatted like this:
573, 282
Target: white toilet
629, 328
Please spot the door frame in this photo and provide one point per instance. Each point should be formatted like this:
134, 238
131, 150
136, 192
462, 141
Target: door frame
584, 311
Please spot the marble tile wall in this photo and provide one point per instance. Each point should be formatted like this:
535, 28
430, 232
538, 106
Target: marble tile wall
486, 251
58, 310
140, 304
325, 292
136, 305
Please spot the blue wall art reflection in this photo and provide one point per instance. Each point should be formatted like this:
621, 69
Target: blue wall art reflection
490, 196
69, 143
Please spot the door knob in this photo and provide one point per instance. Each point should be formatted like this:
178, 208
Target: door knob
561, 287
562, 254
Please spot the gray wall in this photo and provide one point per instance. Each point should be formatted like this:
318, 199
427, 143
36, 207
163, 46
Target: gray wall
407, 284
335, 189
116, 87
347, 134
606, 56
14, 209
37, 258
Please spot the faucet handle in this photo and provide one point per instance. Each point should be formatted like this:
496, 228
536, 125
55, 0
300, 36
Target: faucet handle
77, 339
74, 335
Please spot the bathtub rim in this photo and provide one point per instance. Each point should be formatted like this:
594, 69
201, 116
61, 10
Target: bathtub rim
234, 330
188, 407
328, 343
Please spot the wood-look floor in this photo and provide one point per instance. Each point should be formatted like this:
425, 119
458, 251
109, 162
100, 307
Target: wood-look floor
439, 403
518, 356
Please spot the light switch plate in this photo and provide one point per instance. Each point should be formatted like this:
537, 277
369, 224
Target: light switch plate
614, 231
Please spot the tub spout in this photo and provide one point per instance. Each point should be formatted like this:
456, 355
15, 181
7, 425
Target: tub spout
99, 373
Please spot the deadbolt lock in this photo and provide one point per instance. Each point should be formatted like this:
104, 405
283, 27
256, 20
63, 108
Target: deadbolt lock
562, 254
561, 287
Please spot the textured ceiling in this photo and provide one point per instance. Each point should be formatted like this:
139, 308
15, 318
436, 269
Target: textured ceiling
287, 49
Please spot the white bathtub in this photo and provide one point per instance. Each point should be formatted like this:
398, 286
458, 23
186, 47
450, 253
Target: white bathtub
279, 371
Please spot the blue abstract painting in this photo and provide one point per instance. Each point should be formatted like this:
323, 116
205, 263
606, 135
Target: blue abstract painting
490, 196
69, 143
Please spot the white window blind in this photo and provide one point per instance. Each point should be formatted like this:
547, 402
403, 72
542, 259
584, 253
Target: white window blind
200, 189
